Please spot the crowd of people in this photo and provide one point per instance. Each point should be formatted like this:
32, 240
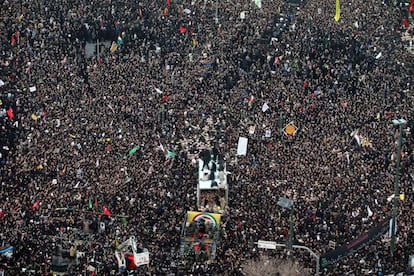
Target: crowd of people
112, 138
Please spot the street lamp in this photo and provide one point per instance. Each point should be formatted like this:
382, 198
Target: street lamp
400, 123
288, 204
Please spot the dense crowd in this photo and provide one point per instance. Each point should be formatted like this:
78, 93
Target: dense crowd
80, 133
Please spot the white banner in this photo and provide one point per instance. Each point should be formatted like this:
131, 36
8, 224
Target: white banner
266, 244
141, 258
242, 146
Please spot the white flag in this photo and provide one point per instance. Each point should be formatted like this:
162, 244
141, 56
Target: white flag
159, 91
370, 213
265, 107
252, 129
161, 147
32, 89
243, 15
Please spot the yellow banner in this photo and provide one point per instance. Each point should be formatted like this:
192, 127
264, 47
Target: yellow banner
338, 11
195, 216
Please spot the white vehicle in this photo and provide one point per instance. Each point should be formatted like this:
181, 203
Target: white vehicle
130, 256
212, 186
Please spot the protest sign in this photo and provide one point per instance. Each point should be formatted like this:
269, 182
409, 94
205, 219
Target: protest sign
242, 146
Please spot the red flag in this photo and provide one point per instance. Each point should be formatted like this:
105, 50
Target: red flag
183, 29
164, 98
131, 262
95, 205
406, 23
36, 204
239, 224
108, 148
10, 113
140, 12
17, 35
166, 12
1, 213
106, 211
168, 2
411, 9
13, 40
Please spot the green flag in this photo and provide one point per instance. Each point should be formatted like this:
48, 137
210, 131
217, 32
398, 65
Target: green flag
258, 3
133, 150
170, 154
90, 203
120, 41
124, 220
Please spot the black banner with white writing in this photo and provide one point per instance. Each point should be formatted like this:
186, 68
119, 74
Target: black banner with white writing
358, 243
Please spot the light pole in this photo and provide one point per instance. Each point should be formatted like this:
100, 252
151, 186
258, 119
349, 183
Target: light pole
288, 204
290, 244
400, 123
